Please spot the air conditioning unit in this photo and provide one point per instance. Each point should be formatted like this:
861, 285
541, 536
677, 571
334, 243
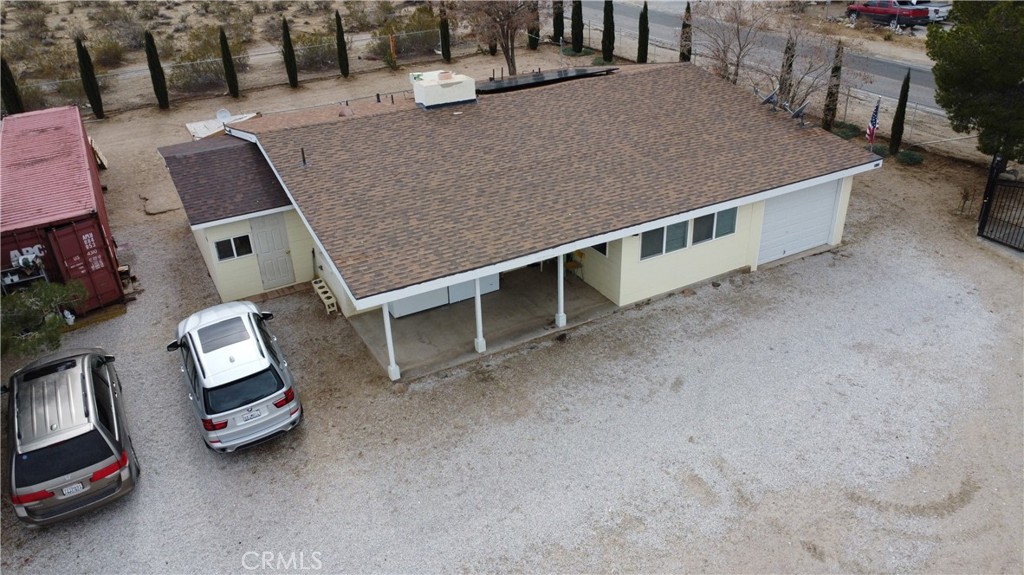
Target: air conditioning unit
442, 88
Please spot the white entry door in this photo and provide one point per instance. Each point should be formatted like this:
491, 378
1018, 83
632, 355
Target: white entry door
271, 244
798, 221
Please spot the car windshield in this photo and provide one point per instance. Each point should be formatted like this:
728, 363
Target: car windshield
59, 459
242, 392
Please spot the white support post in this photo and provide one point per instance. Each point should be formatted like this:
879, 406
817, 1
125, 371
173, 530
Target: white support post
560, 315
393, 371
479, 343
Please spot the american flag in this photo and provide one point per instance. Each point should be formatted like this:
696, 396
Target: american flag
873, 124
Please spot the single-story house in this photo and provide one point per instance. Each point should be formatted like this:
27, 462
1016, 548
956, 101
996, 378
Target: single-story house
53, 221
641, 182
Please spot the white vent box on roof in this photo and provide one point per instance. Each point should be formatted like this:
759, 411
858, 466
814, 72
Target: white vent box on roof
439, 88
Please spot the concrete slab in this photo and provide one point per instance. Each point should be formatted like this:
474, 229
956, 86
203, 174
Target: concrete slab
521, 310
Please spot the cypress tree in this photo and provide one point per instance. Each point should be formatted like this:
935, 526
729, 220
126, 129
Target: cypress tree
339, 37
156, 73
608, 34
577, 26
446, 35
896, 136
645, 34
557, 21
686, 36
828, 115
533, 28
9, 90
289, 55
229, 64
89, 83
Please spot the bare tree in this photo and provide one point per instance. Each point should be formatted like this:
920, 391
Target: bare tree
806, 64
500, 21
731, 31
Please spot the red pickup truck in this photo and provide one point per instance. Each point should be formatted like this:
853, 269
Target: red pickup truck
895, 13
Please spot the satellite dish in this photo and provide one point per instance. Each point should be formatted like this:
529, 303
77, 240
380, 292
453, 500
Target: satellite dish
223, 115
770, 98
798, 113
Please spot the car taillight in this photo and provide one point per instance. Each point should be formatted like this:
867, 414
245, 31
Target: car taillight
112, 468
211, 425
31, 497
289, 396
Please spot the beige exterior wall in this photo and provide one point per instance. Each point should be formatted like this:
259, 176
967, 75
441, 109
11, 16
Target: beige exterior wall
239, 278
348, 309
671, 271
844, 204
603, 272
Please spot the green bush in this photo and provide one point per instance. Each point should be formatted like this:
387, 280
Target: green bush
846, 130
33, 24
879, 149
909, 158
34, 98
200, 67
32, 317
314, 50
418, 34
120, 23
107, 52
600, 61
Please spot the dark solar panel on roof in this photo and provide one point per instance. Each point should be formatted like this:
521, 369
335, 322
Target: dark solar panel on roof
532, 79
222, 334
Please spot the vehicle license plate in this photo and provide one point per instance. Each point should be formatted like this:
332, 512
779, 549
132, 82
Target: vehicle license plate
71, 489
251, 415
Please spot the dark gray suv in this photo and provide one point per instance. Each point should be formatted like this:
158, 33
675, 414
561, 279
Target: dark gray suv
69, 442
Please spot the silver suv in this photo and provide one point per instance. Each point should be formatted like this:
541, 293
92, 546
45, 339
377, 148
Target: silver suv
238, 381
69, 443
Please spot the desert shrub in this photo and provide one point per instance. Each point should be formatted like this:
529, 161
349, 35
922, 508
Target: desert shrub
33, 24
909, 158
199, 66
33, 97
271, 30
237, 24
121, 24
57, 62
107, 52
77, 32
357, 18
845, 130
279, 6
18, 48
147, 10
315, 50
71, 91
416, 35
34, 6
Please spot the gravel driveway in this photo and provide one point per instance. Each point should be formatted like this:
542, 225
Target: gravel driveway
859, 410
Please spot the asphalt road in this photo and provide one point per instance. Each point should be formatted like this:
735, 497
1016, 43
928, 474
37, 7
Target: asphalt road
884, 76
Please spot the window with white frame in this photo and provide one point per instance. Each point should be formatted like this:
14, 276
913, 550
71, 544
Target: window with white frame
678, 236
232, 248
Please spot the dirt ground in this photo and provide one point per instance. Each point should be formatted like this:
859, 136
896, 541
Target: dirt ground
518, 496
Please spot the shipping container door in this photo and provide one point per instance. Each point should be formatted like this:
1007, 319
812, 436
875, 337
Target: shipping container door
82, 255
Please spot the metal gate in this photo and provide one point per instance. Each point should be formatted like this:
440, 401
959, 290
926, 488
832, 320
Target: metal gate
1002, 211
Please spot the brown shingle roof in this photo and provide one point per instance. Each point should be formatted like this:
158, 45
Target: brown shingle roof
401, 198
222, 177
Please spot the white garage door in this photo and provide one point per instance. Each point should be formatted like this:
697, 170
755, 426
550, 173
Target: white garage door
798, 221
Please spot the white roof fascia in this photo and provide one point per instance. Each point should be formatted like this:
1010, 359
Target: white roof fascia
377, 300
508, 265
243, 217
329, 261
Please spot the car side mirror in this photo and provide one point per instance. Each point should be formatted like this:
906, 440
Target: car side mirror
108, 359
173, 345
266, 315
4, 389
